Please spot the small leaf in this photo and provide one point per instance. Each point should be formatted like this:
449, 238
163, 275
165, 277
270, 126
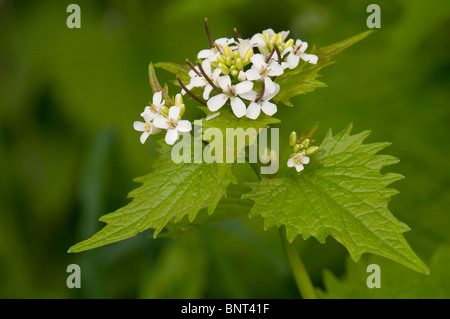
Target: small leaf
181, 70
168, 194
340, 193
303, 79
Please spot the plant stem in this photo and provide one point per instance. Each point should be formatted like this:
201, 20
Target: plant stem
301, 276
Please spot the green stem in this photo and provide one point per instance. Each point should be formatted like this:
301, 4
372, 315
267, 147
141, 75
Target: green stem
298, 269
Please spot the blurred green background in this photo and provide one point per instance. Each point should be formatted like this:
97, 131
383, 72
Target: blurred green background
68, 152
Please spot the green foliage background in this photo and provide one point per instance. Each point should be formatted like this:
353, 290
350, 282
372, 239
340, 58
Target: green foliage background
68, 152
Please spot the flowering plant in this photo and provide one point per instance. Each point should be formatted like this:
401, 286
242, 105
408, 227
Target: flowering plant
239, 83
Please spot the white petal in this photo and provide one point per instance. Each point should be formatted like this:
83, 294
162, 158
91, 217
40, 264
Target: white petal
144, 136
207, 92
284, 34
290, 162
157, 97
292, 60
206, 65
184, 126
275, 69
242, 76
311, 58
268, 96
253, 111
305, 160
269, 31
203, 54
224, 82
243, 87
154, 129
216, 102
139, 126
171, 136
253, 74
269, 108
216, 74
174, 113
238, 107
269, 85
304, 46
161, 122
258, 61
299, 167
250, 96
197, 82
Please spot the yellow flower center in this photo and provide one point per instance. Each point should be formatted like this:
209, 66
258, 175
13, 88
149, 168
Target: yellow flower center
297, 160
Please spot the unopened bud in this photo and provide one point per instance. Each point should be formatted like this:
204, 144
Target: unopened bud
227, 51
305, 143
235, 73
182, 109
239, 64
289, 43
178, 99
224, 68
297, 148
248, 55
293, 138
222, 59
165, 109
311, 150
229, 60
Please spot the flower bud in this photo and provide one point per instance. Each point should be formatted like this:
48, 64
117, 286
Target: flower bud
305, 143
221, 59
235, 73
311, 150
248, 55
229, 60
179, 99
224, 68
182, 109
227, 51
289, 43
293, 138
239, 64
165, 109
297, 148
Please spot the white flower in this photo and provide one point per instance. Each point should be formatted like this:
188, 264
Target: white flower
269, 108
298, 160
155, 109
297, 52
262, 70
262, 39
172, 124
200, 81
231, 92
213, 53
147, 128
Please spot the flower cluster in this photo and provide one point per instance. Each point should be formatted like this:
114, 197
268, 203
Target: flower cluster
159, 117
242, 71
301, 149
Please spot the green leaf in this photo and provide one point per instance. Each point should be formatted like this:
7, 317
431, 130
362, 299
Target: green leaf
226, 119
169, 193
229, 207
181, 70
303, 79
340, 193
396, 281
